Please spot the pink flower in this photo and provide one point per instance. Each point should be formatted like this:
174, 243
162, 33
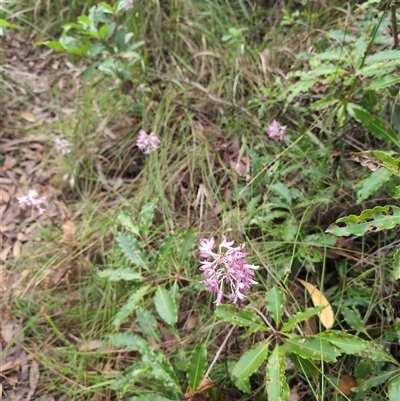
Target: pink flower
32, 200
276, 131
62, 146
128, 5
227, 271
147, 143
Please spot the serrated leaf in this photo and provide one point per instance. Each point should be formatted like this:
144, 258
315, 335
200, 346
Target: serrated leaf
166, 306
384, 82
373, 124
347, 343
132, 342
382, 56
396, 264
130, 305
241, 318
146, 215
289, 229
250, 361
164, 251
363, 369
243, 385
124, 273
186, 245
371, 184
300, 317
353, 319
132, 250
275, 303
125, 220
323, 104
147, 323
378, 218
377, 158
277, 387
394, 389
326, 316
383, 377
312, 347
282, 191
197, 366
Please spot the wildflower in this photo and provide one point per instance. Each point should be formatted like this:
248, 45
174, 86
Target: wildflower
32, 200
128, 5
62, 146
276, 131
226, 269
147, 143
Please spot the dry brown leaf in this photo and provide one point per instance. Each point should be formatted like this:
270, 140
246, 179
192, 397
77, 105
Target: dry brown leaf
204, 385
4, 253
346, 384
192, 322
33, 379
69, 230
92, 345
27, 116
17, 249
326, 316
4, 196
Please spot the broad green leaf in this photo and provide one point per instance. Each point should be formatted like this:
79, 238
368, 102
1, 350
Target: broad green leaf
313, 348
164, 251
371, 184
364, 368
52, 44
6, 24
323, 104
373, 124
119, 39
250, 361
289, 229
275, 303
133, 250
374, 381
384, 82
166, 306
347, 343
394, 389
396, 264
382, 56
353, 319
124, 273
378, 218
241, 318
396, 194
134, 300
146, 215
149, 397
282, 191
125, 220
277, 387
300, 317
147, 323
243, 385
306, 366
197, 366
186, 245
132, 342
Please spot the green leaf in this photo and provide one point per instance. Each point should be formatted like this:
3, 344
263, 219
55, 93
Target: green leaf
243, 385
241, 318
164, 251
384, 82
353, 319
275, 303
312, 347
250, 361
146, 215
6, 24
52, 44
186, 245
277, 387
148, 324
382, 56
347, 343
289, 229
396, 264
166, 306
394, 389
305, 366
133, 250
396, 194
120, 39
363, 369
300, 317
378, 218
132, 342
197, 366
133, 301
124, 273
377, 158
382, 377
323, 104
125, 220
282, 191
371, 184
373, 124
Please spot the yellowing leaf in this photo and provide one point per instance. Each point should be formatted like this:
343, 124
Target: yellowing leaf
27, 116
326, 316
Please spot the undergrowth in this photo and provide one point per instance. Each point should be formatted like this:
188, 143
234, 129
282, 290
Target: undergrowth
112, 300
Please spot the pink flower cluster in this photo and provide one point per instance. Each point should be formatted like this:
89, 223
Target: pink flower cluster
276, 131
226, 272
62, 146
32, 200
147, 143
